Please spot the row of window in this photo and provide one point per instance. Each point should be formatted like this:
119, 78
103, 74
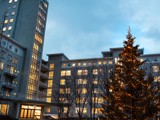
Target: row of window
6, 21
84, 110
9, 68
79, 81
5, 28
10, 1
42, 15
98, 100
155, 68
84, 64
38, 38
81, 72
50, 83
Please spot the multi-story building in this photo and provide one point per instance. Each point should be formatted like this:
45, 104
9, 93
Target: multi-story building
25, 21
22, 23
78, 82
11, 64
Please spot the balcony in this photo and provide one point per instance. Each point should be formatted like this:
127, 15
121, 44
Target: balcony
42, 94
44, 76
8, 85
44, 67
43, 85
9, 74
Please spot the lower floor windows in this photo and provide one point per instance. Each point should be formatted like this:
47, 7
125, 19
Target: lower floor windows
4, 109
28, 111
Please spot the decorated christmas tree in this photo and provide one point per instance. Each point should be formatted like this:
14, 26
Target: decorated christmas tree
130, 96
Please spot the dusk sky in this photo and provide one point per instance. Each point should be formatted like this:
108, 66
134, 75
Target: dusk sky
84, 28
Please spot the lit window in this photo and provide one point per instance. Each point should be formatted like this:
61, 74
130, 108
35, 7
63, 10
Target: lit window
61, 91
11, 20
64, 65
82, 72
38, 38
36, 47
95, 71
84, 64
10, 1
62, 82
95, 81
48, 99
104, 62
51, 67
82, 91
51, 74
48, 109
45, 5
81, 100
11, 70
14, 60
97, 100
6, 21
96, 110
82, 81
99, 63
157, 79
79, 64
96, 91
1, 65
10, 27
4, 108
50, 82
64, 100
65, 72
65, 109
77, 110
8, 35
49, 92
4, 29
141, 60
68, 90
64, 90
155, 68
13, 13
73, 64
116, 60
110, 62
15, 0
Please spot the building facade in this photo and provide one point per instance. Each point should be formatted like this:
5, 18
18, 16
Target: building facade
11, 64
79, 82
23, 88
25, 22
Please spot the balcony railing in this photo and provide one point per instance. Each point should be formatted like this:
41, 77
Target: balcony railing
9, 74
42, 84
44, 76
44, 67
9, 85
42, 93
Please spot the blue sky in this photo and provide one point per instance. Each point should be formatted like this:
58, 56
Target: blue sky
84, 28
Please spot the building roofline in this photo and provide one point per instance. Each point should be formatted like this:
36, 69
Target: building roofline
58, 54
146, 55
86, 59
118, 48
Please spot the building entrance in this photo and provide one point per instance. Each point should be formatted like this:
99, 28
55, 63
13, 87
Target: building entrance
29, 112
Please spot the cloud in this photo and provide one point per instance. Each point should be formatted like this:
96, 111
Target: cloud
83, 28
